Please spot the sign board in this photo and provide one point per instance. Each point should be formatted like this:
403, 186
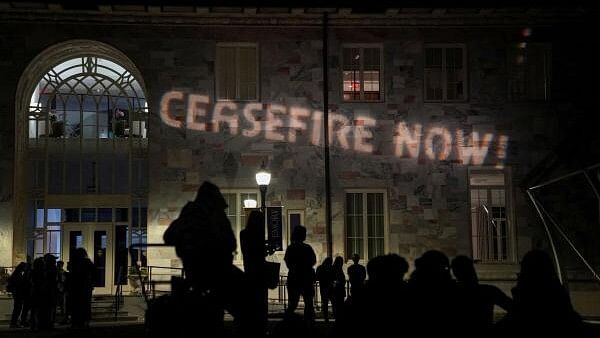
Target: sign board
275, 228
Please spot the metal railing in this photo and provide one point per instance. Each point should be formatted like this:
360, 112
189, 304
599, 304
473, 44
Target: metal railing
282, 295
118, 300
149, 282
154, 271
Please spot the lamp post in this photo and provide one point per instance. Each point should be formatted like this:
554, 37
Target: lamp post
263, 178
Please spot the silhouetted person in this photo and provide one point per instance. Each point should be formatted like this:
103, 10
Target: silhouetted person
477, 300
27, 293
356, 275
49, 303
433, 297
205, 242
252, 241
339, 288
324, 275
38, 293
18, 285
61, 278
382, 306
67, 295
81, 284
541, 305
300, 259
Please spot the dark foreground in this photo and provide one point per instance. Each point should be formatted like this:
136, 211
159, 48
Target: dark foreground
321, 329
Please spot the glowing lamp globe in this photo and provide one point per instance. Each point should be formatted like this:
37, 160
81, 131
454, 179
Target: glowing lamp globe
263, 177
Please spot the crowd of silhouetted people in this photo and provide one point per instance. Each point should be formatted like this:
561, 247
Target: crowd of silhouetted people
439, 297
45, 294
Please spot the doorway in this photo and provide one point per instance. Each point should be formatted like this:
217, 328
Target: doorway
97, 240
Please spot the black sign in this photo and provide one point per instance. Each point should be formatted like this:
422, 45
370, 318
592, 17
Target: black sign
275, 228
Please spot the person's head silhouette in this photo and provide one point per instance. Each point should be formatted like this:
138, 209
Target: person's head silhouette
327, 262
256, 221
338, 262
298, 234
537, 268
395, 267
464, 270
433, 266
356, 258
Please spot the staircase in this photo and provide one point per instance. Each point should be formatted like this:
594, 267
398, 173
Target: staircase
104, 309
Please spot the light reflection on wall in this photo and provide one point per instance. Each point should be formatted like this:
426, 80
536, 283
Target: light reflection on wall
278, 122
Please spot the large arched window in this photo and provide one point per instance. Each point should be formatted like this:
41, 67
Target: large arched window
82, 166
87, 97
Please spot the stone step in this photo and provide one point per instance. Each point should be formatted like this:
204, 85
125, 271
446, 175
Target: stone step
109, 313
94, 313
118, 319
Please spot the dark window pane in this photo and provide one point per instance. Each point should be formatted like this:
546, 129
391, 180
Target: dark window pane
55, 177
89, 176
143, 217
105, 171
99, 255
121, 215
121, 175
72, 183
135, 218
105, 214
72, 215
88, 214
120, 276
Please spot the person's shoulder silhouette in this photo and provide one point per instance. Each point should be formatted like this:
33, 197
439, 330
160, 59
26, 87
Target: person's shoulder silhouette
542, 305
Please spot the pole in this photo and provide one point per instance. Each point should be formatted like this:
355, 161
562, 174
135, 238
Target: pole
554, 252
263, 208
326, 138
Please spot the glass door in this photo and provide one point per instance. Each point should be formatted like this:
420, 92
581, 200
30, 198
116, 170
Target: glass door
97, 240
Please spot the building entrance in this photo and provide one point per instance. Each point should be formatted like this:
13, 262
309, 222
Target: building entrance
97, 240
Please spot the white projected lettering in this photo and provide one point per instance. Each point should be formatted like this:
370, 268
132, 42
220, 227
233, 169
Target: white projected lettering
277, 122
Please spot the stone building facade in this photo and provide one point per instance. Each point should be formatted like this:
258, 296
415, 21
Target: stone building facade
407, 164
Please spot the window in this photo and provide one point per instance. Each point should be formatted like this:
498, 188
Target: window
237, 72
87, 98
362, 73
445, 73
294, 219
491, 237
530, 71
366, 217
235, 209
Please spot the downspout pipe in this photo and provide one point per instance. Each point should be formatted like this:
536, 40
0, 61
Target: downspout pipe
328, 221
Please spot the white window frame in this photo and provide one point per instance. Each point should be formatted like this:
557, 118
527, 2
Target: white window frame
237, 46
386, 227
445, 46
362, 46
511, 227
238, 226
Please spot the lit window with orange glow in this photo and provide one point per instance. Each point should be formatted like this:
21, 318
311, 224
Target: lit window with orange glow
362, 73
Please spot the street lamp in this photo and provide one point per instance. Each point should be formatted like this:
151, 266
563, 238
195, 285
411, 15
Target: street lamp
263, 178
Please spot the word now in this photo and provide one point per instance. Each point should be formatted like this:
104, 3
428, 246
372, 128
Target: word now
283, 123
